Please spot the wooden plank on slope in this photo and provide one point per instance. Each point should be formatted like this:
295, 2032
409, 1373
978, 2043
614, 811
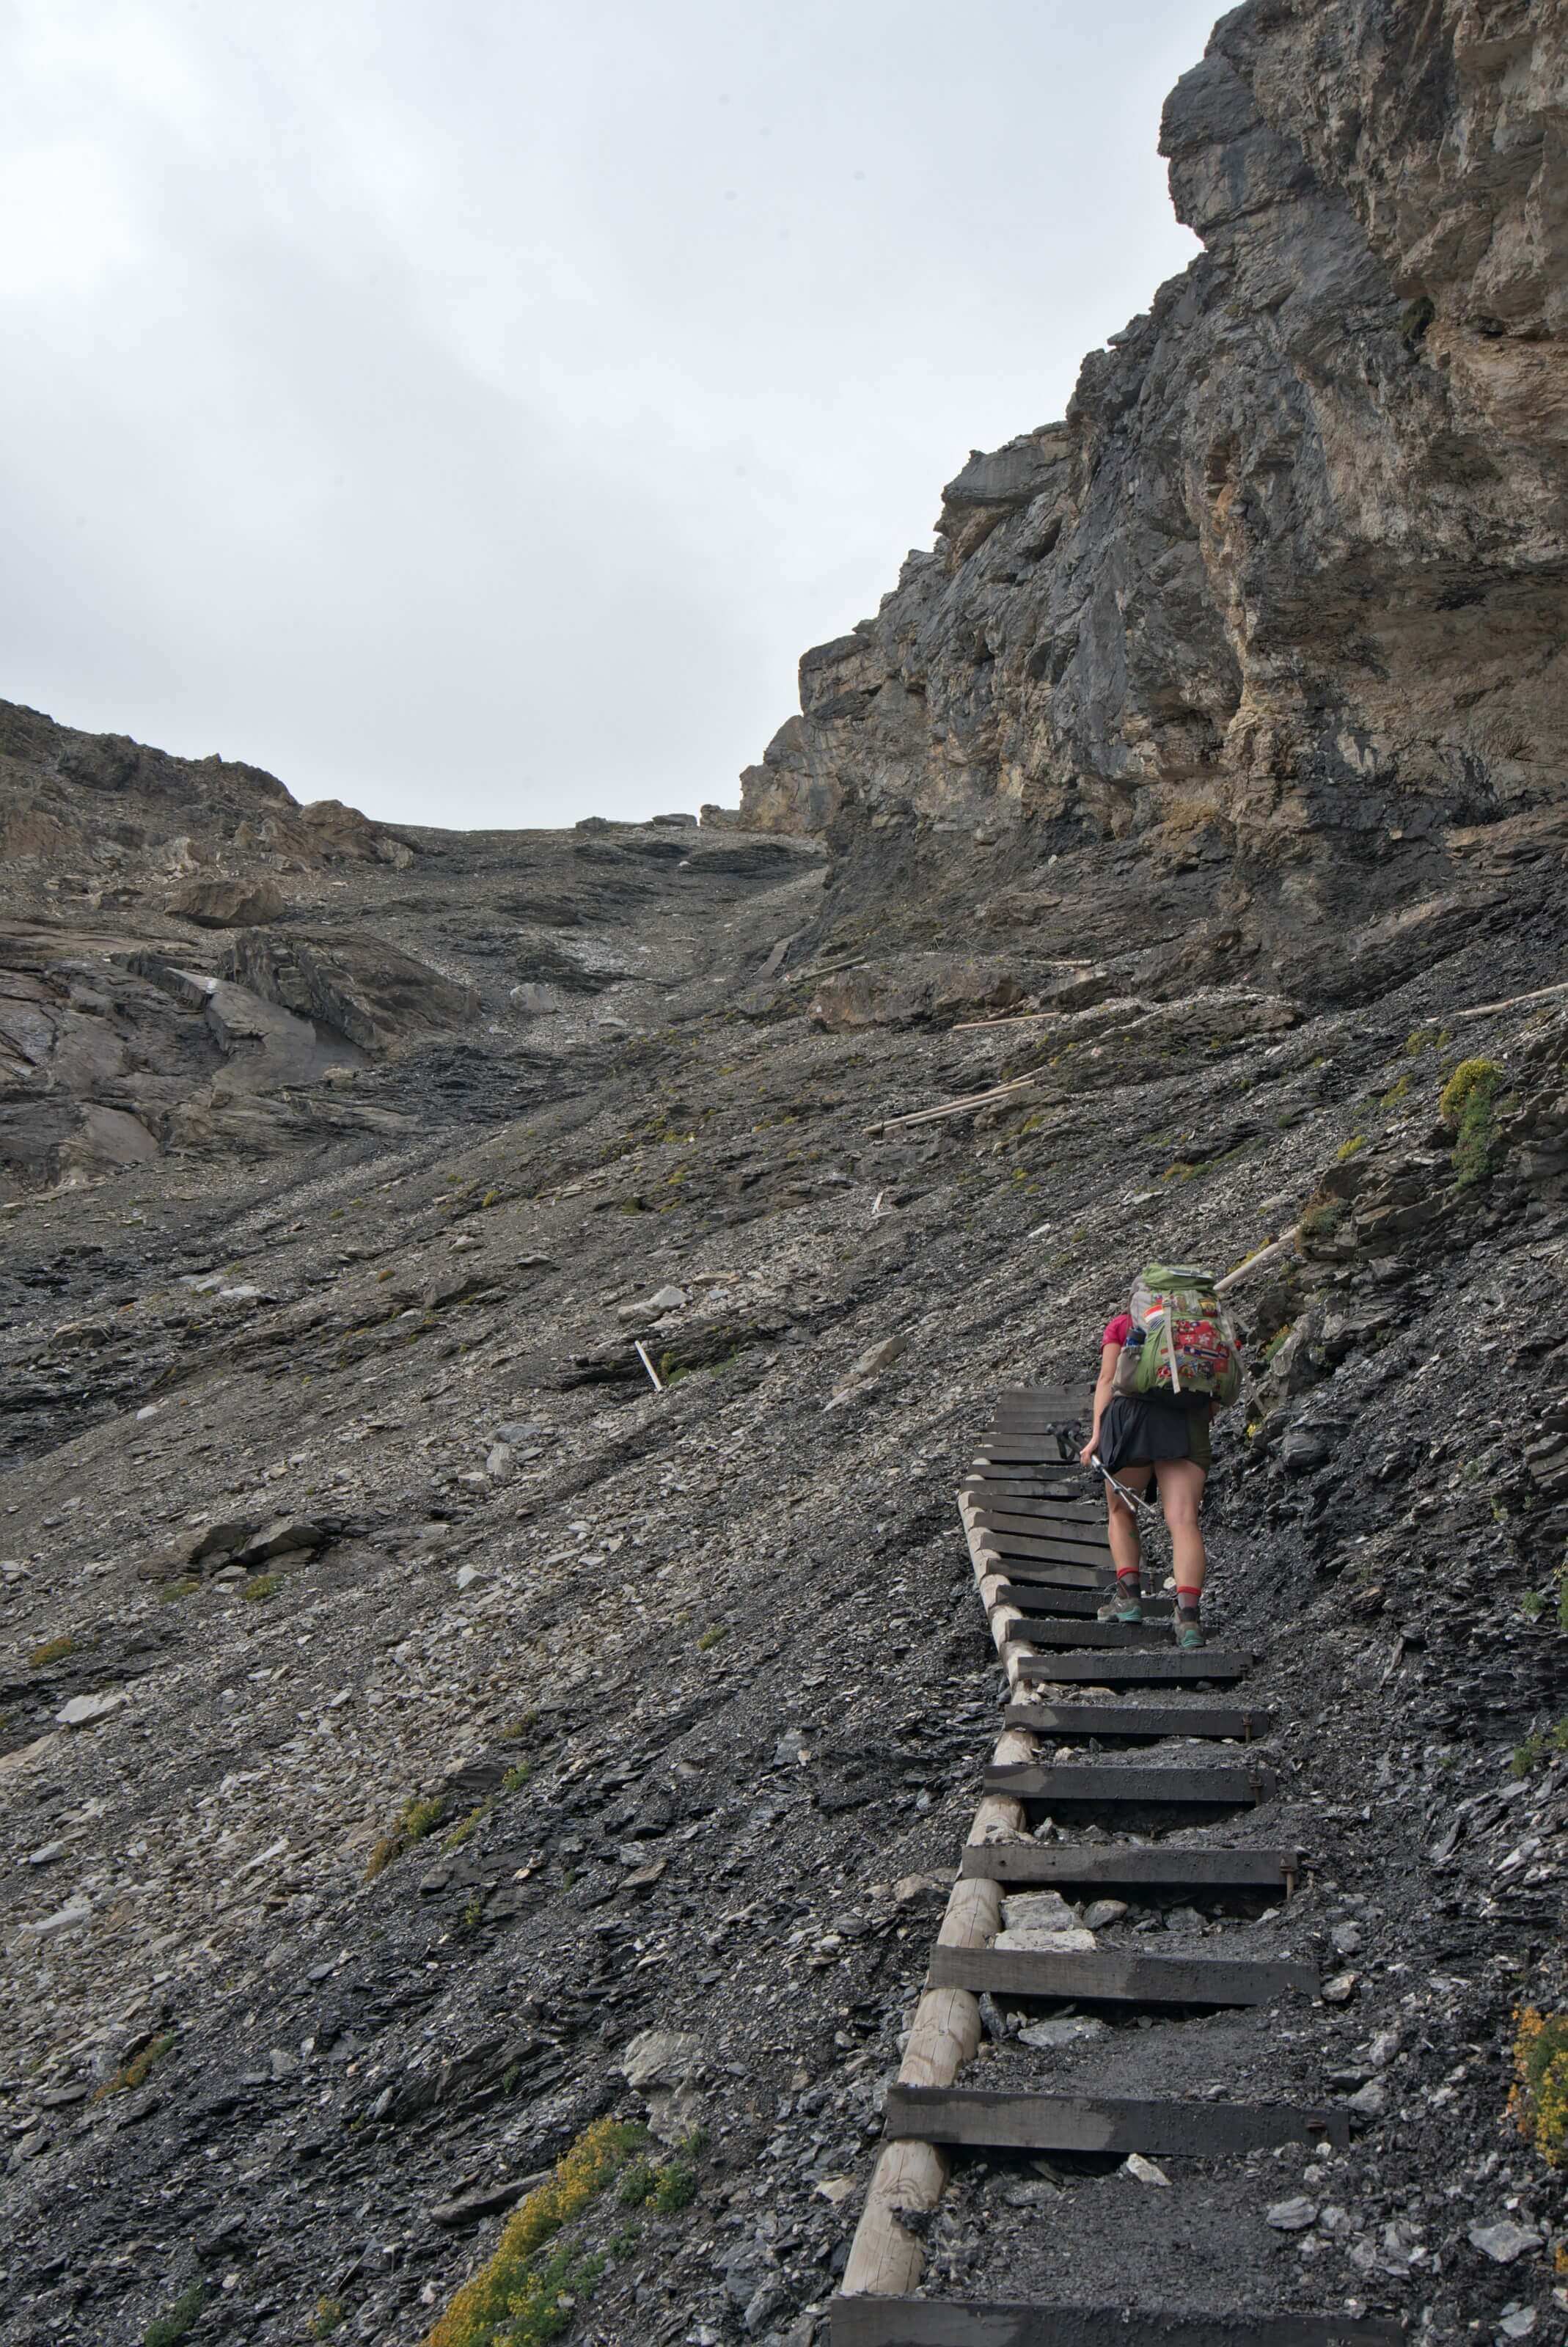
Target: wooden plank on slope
1045, 1397
1120, 1979
1036, 1597
998, 1446
1153, 1668
1114, 1635
950, 2322
1073, 1495
1031, 1573
1029, 1780
1039, 1526
1040, 1507
981, 2120
1154, 1719
1042, 1550
1124, 1866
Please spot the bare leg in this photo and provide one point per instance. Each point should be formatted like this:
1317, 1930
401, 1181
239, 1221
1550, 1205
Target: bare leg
1181, 1486
1122, 1524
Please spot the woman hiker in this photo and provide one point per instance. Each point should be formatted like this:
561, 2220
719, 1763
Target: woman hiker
1136, 1437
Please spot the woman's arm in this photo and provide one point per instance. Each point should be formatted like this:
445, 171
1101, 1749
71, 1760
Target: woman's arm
1104, 1388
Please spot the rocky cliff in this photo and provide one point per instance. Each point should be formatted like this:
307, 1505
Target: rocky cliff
1268, 631
194, 965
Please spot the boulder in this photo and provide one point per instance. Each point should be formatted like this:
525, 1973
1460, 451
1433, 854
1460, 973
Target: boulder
881, 1357
86, 1710
1038, 1910
664, 2066
1304, 1449
229, 904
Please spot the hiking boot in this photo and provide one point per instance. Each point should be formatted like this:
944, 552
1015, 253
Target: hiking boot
1189, 1630
1128, 1608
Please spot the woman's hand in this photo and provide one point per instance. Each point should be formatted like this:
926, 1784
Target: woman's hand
1089, 1449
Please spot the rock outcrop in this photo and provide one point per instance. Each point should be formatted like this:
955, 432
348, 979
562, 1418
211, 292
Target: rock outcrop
191, 962
1271, 625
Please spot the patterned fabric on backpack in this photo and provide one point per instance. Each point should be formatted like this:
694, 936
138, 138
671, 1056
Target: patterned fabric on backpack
1181, 1346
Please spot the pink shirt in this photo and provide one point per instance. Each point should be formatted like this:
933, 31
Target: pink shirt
1117, 1331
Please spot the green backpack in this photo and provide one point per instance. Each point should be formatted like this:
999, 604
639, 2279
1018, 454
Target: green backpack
1182, 1347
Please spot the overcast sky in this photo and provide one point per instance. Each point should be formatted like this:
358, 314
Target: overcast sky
473, 408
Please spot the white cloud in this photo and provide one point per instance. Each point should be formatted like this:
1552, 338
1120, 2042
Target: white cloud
474, 411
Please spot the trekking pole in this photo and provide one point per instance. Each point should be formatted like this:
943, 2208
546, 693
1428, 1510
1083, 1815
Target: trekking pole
1141, 1508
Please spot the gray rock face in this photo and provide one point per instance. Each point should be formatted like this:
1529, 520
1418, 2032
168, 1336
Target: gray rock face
206, 968
1273, 605
229, 904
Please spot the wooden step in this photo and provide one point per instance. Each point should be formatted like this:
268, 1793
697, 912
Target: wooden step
984, 2121
1028, 1573
1151, 1667
1057, 1452
1071, 1426
1120, 1979
1048, 1397
1124, 1866
1040, 1414
1091, 1538
1093, 1720
950, 2322
1031, 1597
1000, 1448
1055, 1515
1045, 1548
1076, 1497
1032, 1780
1113, 1635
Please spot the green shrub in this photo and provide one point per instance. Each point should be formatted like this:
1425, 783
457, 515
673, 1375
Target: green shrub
1546, 1743
415, 1820
711, 1639
329, 2315
520, 2298
1322, 1219
676, 2188
264, 1585
1467, 1108
136, 2072
1539, 2098
517, 1776
53, 1650
1349, 1148
638, 2184
671, 2186
469, 1827
1461, 1083
168, 2330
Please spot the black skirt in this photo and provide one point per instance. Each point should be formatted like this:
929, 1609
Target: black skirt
1135, 1432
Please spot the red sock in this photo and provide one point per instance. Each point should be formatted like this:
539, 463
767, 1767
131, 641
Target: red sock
1188, 1599
1128, 1571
